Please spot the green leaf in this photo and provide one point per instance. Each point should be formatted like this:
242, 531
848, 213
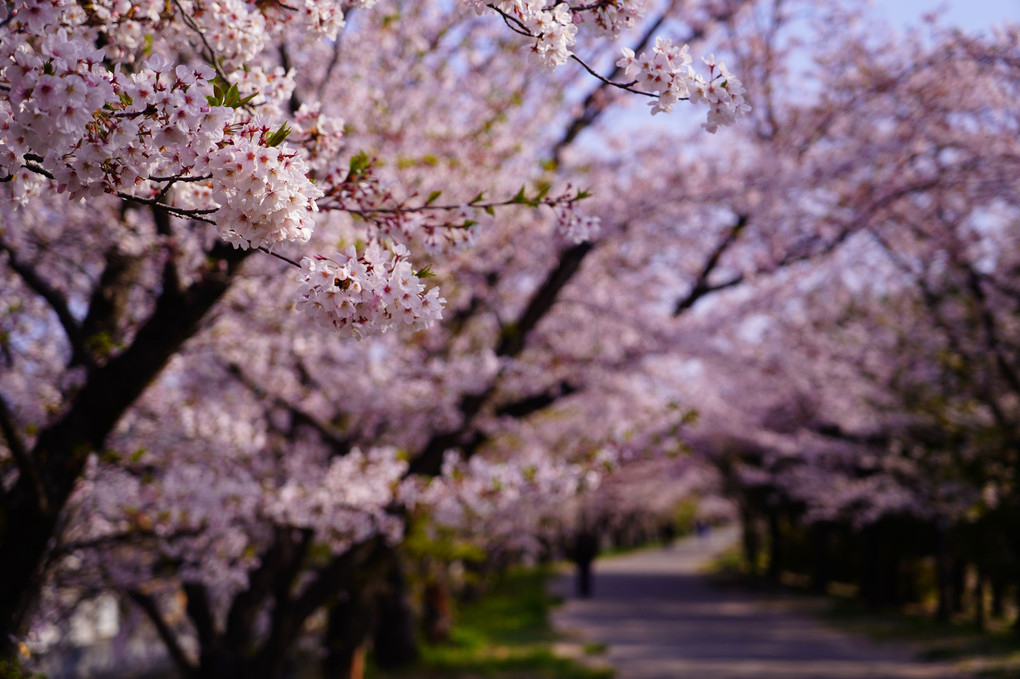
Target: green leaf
543, 190
276, 138
359, 163
432, 197
489, 211
425, 273
219, 91
520, 198
477, 199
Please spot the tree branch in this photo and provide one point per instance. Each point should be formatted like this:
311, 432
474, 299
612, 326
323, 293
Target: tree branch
51, 295
515, 335
64, 445
166, 634
595, 102
339, 443
279, 564
429, 460
200, 612
20, 452
530, 405
701, 286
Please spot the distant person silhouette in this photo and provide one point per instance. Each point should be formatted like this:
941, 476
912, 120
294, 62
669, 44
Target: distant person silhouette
585, 549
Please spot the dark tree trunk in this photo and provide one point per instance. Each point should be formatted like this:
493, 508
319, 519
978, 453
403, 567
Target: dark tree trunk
911, 592
394, 639
891, 573
979, 602
347, 635
871, 590
820, 572
437, 614
749, 539
958, 584
942, 575
776, 547
32, 508
998, 588
1016, 623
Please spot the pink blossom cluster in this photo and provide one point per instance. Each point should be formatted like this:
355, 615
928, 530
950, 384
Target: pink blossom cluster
53, 84
95, 130
552, 27
319, 133
575, 226
348, 503
367, 293
91, 128
666, 70
614, 16
156, 125
236, 31
262, 191
723, 93
479, 494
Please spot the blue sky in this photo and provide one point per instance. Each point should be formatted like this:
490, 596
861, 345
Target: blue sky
975, 15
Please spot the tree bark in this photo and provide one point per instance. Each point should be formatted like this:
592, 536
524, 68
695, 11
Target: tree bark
943, 583
28, 521
749, 539
347, 635
820, 573
394, 639
775, 547
998, 588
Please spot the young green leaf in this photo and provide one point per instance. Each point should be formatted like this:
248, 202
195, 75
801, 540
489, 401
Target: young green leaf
276, 138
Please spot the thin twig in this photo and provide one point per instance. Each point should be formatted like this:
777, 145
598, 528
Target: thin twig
197, 215
193, 25
32, 167
266, 250
629, 87
200, 178
517, 26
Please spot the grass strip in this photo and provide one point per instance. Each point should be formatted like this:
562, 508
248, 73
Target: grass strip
504, 634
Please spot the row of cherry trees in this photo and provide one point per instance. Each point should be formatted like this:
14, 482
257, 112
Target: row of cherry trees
868, 426
180, 421
185, 427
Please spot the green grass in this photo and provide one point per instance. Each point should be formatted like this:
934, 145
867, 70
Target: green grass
505, 634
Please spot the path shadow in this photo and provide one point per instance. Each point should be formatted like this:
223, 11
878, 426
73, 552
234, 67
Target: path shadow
663, 620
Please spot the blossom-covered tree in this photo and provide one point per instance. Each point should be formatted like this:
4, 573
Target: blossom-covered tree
872, 394
149, 149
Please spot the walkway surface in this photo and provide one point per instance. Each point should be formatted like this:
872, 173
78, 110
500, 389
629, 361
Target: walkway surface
661, 619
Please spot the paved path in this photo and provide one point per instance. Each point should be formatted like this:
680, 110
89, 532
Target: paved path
662, 620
